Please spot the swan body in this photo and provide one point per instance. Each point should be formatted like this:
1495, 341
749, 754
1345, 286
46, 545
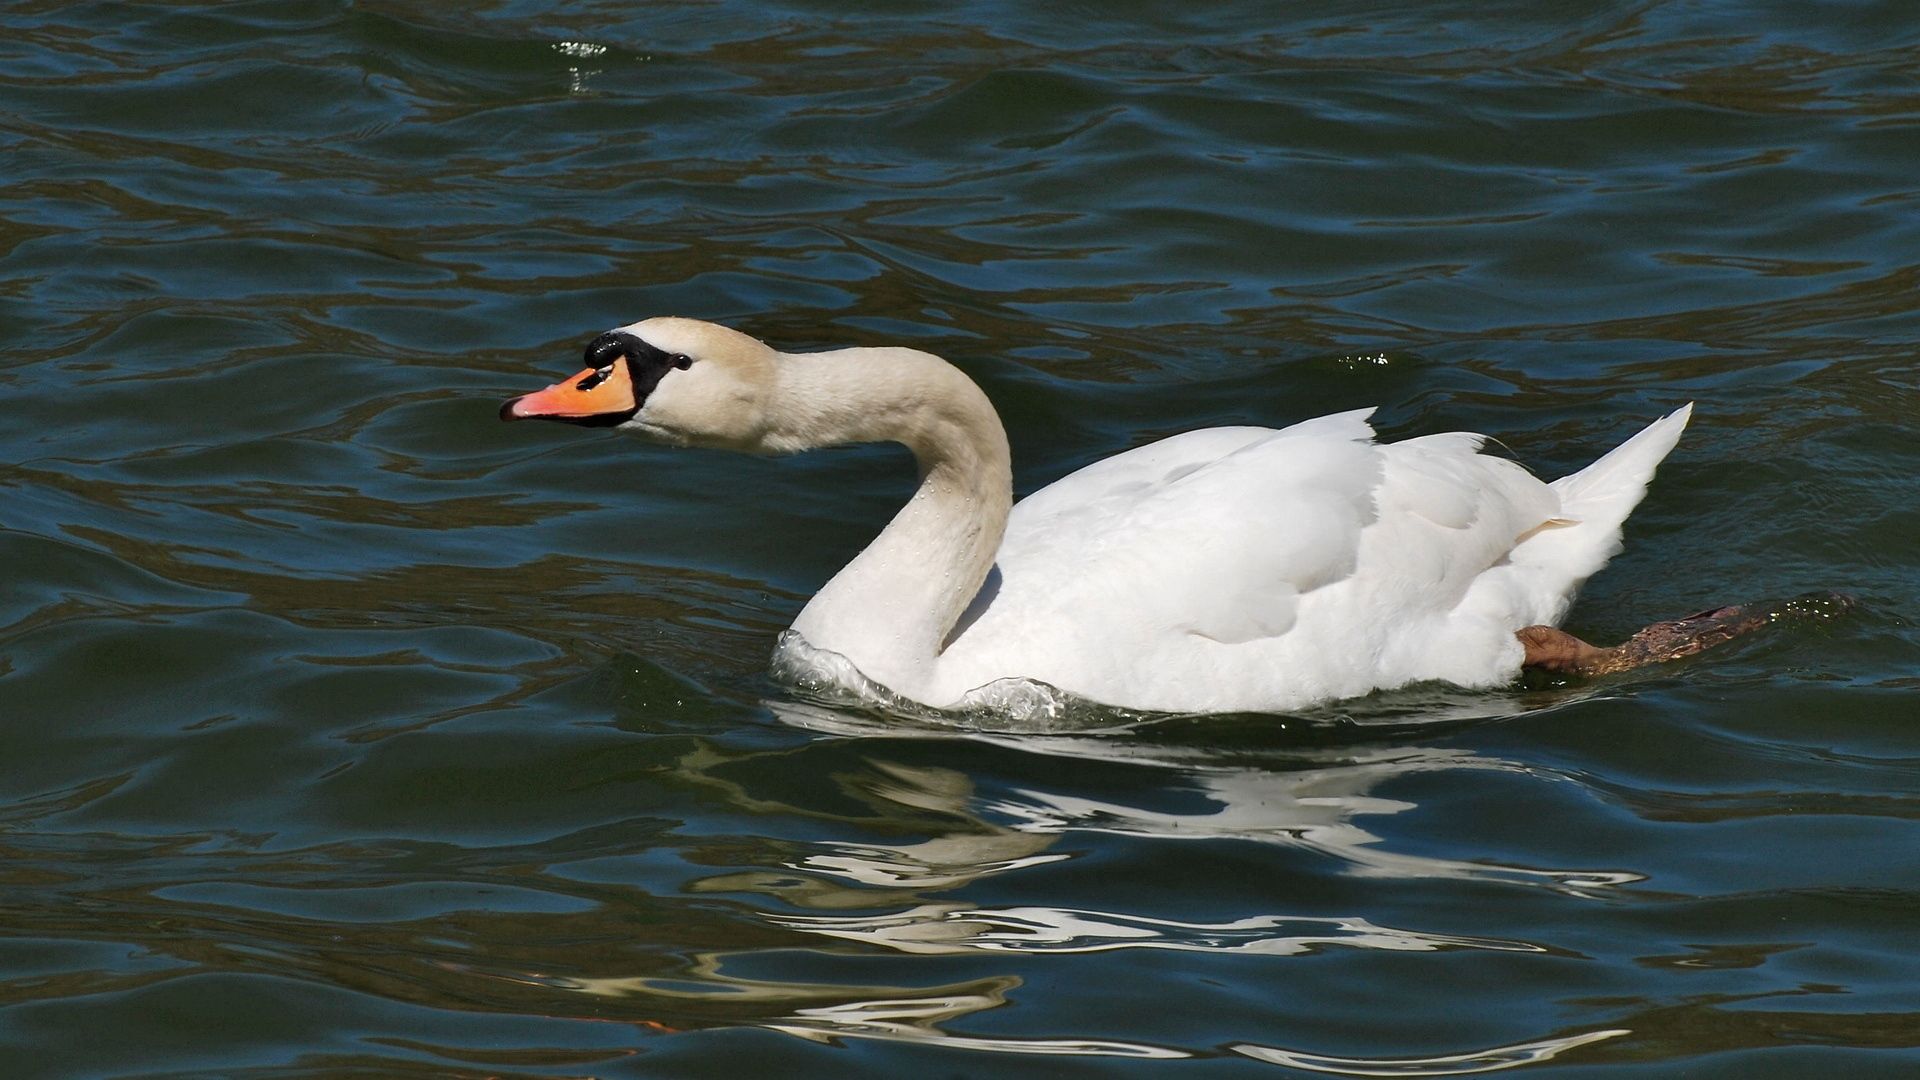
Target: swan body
1225, 569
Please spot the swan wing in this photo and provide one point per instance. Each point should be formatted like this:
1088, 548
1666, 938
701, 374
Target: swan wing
1248, 566
1213, 533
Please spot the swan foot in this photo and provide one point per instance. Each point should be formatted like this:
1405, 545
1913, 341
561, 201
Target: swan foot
1555, 650
1558, 651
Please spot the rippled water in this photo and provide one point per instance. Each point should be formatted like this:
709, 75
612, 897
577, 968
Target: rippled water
349, 732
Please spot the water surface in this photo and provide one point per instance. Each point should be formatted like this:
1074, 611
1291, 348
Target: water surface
349, 732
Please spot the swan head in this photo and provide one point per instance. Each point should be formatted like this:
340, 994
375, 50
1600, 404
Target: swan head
678, 381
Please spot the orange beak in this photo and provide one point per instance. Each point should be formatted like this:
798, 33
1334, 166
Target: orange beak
596, 396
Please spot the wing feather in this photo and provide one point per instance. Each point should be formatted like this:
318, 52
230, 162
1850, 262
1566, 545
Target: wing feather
1304, 563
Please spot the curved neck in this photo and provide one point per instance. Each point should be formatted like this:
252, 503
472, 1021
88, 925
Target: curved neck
890, 611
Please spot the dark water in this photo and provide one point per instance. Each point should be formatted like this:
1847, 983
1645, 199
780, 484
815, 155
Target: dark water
346, 731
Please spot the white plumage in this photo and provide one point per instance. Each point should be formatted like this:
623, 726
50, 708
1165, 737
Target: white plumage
1254, 569
1225, 569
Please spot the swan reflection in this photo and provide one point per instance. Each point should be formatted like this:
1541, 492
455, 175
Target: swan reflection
1492, 1059
829, 1013
919, 1019
957, 928
1312, 800
883, 897
832, 1014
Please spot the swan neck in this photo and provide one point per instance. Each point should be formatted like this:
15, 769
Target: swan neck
893, 608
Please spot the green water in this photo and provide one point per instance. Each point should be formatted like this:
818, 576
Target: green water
345, 731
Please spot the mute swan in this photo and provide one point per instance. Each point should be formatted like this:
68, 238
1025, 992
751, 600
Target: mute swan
1225, 569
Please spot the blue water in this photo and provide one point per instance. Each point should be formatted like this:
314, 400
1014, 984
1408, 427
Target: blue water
345, 731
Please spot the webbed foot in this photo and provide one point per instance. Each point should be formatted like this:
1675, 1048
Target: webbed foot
1556, 650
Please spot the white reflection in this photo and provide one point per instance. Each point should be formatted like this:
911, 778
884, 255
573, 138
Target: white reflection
828, 1013
1279, 802
1477, 1061
1310, 799
973, 848
1310, 809
916, 1021
936, 864
955, 928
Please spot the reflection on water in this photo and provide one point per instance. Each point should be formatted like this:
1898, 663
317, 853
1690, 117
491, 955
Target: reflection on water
1311, 808
895, 1014
1492, 1059
912, 1020
502, 929
1279, 802
954, 928
1303, 799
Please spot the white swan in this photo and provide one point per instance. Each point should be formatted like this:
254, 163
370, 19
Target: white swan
1226, 569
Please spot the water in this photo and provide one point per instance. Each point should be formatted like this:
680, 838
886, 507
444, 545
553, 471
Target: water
347, 731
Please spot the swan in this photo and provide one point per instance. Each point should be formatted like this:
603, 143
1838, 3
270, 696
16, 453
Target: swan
1226, 569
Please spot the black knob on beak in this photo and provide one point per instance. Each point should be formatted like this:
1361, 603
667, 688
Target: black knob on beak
613, 345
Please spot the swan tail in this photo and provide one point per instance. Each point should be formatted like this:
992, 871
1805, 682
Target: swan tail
1605, 492
1594, 503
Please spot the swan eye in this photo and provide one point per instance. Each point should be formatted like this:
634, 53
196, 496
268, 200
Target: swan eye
598, 376
681, 361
